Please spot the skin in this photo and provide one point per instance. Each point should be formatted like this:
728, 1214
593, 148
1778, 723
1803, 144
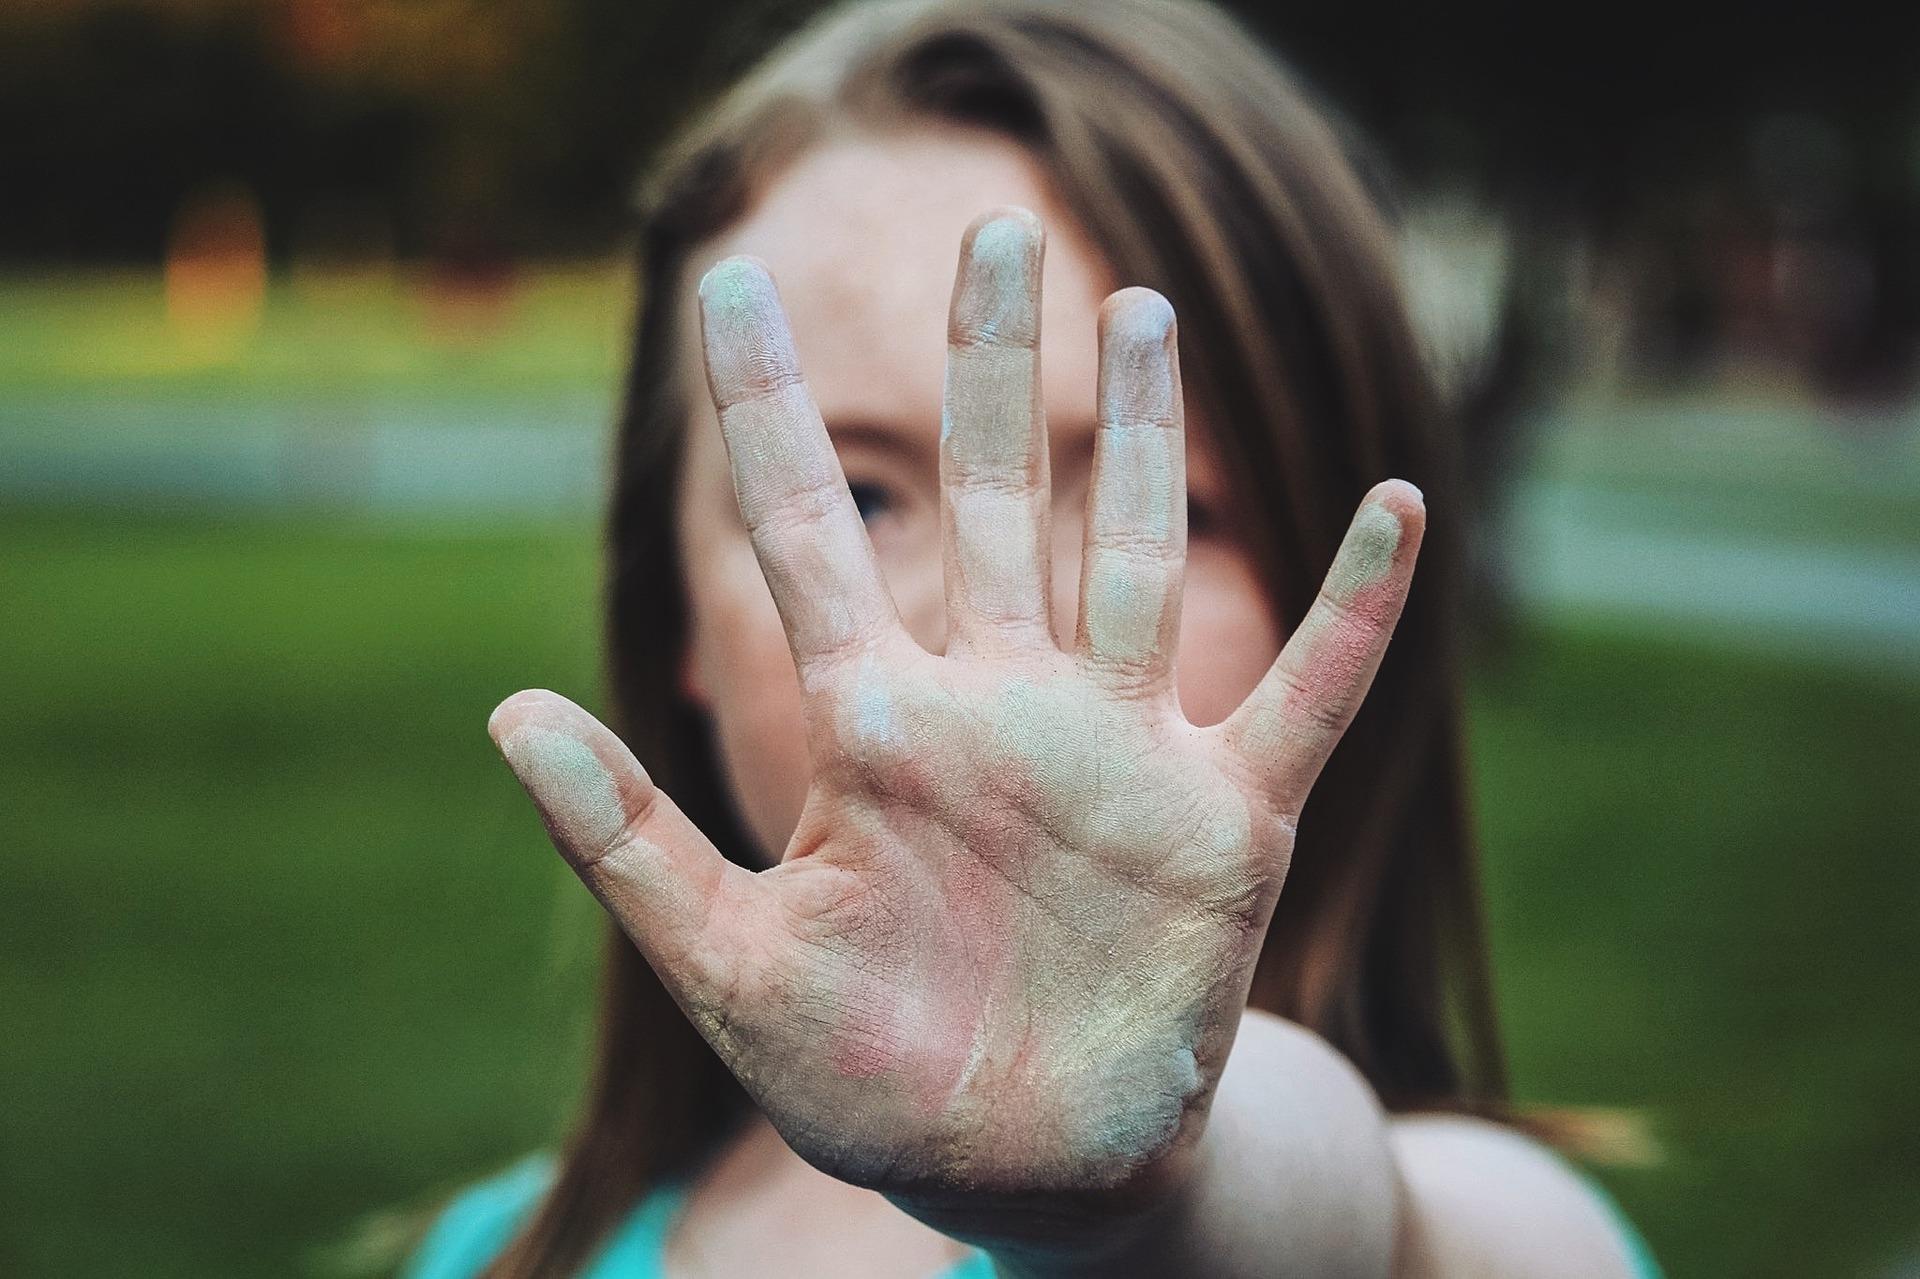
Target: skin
1019, 860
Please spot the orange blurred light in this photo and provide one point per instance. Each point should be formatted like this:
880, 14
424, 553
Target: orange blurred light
216, 267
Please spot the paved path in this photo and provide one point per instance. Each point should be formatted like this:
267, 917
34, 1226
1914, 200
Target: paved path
1585, 551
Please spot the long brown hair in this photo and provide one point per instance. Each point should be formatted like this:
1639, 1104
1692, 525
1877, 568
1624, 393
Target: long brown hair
1200, 167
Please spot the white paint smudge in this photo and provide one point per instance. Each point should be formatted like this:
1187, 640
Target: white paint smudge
572, 787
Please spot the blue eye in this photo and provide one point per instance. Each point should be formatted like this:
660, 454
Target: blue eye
873, 500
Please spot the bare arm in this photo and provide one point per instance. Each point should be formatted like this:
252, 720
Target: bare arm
1302, 1173
1484, 1200
1294, 1175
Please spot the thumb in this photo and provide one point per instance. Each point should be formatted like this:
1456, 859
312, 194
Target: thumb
683, 904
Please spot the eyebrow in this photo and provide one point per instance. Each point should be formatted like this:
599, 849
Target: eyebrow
911, 444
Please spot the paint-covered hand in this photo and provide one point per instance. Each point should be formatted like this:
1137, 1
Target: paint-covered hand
1010, 943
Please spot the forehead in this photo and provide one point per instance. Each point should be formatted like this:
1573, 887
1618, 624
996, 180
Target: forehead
862, 235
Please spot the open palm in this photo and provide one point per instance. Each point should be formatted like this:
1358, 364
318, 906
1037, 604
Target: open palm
1007, 949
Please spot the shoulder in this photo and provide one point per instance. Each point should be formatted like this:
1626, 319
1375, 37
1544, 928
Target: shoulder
477, 1223
1485, 1200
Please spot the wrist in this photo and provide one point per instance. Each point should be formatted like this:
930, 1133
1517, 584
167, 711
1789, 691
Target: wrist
1034, 1233
1291, 1123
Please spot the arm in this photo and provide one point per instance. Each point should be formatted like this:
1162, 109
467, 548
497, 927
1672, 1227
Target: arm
1299, 1171
1294, 1174
1485, 1200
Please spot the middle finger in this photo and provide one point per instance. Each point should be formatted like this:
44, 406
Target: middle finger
995, 489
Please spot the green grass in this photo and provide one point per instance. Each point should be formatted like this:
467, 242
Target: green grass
283, 942
1703, 892
283, 945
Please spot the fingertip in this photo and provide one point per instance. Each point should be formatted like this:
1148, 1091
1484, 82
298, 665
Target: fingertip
584, 781
745, 340
1005, 226
1407, 506
996, 291
738, 297
516, 710
1380, 542
738, 278
1398, 495
1137, 314
539, 715
1139, 366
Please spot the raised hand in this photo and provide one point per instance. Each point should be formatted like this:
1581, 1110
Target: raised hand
1008, 947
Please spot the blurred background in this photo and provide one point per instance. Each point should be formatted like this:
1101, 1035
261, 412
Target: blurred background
311, 322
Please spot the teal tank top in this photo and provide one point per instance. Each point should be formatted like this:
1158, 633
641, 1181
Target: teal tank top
477, 1225
480, 1220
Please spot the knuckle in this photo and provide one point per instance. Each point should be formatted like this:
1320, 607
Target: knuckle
796, 510
983, 335
758, 377
1008, 494
627, 842
1135, 547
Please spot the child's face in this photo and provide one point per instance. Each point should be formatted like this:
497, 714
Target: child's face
862, 237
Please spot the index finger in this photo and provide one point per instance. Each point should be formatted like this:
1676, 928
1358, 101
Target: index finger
806, 531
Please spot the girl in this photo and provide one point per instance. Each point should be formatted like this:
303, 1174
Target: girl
952, 936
